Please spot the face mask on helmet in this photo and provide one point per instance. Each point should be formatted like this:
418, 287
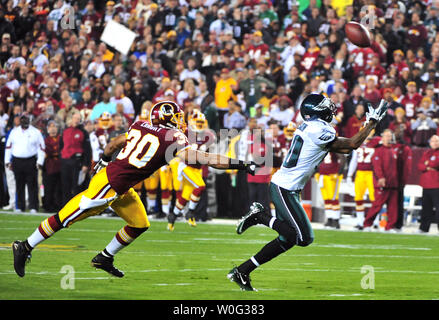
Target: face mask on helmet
317, 106
168, 114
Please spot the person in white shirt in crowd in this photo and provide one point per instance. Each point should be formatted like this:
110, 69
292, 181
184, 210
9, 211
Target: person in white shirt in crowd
191, 72
287, 55
97, 67
234, 118
283, 113
261, 118
15, 58
24, 155
220, 25
119, 97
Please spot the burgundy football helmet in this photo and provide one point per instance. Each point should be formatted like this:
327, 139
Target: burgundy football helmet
168, 114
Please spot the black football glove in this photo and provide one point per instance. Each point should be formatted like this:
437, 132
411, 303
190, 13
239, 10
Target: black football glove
249, 166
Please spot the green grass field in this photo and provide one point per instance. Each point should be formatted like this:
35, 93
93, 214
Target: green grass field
192, 263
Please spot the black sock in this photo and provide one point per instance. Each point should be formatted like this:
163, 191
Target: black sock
268, 252
279, 226
107, 254
27, 245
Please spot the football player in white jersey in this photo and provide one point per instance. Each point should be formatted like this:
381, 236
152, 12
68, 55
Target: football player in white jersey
312, 141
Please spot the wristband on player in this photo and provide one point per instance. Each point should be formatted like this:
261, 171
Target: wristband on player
106, 158
241, 165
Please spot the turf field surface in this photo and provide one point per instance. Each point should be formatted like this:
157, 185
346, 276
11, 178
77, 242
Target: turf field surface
192, 263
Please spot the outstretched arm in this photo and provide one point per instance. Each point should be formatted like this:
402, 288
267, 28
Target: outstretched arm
217, 161
346, 145
373, 116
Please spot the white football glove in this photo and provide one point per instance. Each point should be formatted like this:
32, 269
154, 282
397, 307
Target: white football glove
377, 114
100, 165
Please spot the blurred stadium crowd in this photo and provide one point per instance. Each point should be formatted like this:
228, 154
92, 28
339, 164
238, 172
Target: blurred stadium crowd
244, 64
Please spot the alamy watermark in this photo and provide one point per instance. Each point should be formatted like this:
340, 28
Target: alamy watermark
368, 17
368, 281
68, 281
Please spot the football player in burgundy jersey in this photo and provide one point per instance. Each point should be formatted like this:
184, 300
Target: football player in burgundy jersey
329, 178
361, 165
144, 149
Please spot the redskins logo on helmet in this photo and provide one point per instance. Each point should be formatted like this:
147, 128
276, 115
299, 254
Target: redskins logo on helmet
105, 121
168, 114
197, 121
289, 130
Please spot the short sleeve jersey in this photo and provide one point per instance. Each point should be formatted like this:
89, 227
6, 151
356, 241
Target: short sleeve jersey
147, 149
308, 148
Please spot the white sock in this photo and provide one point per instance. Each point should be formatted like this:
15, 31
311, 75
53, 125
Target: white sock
177, 211
151, 203
35, 238
192, 205
166, 208
114, 246
360, 218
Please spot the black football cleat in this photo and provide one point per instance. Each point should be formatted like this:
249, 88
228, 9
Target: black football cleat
336, 223
241, 279
106, 264
251, 218
21, 256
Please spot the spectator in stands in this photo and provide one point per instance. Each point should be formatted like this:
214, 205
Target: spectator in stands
52, 169
356, 121
429, 181
234, 118
401, 127
104, 106
423, 128
411, 100
258, 184
223, 93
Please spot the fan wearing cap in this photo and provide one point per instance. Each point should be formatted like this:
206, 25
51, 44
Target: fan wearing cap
398, 61
259, 49
220, 25
411, 100
423, 128
401, 126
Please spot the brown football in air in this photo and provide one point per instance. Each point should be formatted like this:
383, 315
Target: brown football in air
358, 34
